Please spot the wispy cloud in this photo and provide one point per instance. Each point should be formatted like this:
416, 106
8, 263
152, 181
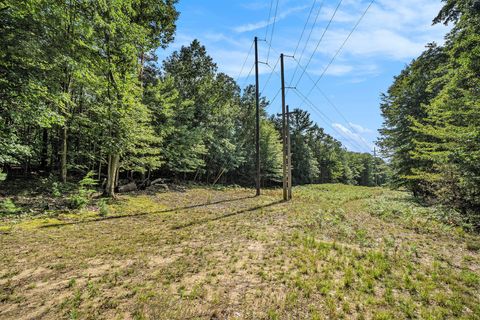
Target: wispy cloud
256, 5
391, 29
359, 129
262, 24
356, 137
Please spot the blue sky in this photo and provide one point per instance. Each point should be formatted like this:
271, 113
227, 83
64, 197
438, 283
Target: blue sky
346, 99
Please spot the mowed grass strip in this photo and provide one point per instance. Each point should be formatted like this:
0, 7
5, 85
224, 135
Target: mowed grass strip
334, 252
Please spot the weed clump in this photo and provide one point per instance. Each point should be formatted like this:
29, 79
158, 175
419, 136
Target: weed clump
473, 245
84, 193
103, 208
8, 207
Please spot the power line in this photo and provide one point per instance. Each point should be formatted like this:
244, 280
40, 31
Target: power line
315, 83
328, 100
326, 97
245, 61
308, 40
345, 41
270, 75
318, 111
343, 117
248, 76
273, 29
305, 27
275, 97
329, 121
352, 142
268, 21
319, 41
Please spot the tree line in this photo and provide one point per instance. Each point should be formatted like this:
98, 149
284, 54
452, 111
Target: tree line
81, 90
431, 131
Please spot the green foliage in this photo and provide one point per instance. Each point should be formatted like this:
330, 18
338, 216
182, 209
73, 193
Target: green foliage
317, 157
103, 208
56, 191
270, 144
7, 207
432, 115
473, 245
81, 90
73, 82
82, 196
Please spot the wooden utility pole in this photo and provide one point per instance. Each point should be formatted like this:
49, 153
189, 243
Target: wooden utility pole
375, 166
284, 130
289, 155
257, 120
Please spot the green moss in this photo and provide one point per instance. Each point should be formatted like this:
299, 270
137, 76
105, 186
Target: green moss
5, 228
38, 223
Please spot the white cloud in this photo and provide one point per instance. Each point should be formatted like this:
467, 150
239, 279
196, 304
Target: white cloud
359, 129
353, 139
338, 70
264, 23
341, 69
392, 30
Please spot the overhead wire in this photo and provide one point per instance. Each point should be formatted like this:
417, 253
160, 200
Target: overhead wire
305, 27
344, 42
245, 61
268, 21
343, 117
273, 29
316, 108
329, 122
318, 111
248, 76
275, 97
307, 42
270, 75
304, 71
329, 101
315, 83
320, 40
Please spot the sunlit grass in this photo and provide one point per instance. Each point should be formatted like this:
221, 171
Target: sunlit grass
334, 252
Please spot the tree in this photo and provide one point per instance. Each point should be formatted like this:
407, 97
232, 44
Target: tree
432, 115
304, 164
451, 128
126, 30
270, 142
401, 107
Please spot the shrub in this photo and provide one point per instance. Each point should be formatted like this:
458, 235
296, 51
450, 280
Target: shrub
103, 208
82, 196
55, 190
7, 206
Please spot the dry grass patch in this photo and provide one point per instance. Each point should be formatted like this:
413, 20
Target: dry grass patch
223, 254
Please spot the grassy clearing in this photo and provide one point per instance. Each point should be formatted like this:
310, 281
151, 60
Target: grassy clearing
334, 252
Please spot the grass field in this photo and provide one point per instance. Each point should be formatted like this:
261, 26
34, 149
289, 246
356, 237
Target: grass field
334, 252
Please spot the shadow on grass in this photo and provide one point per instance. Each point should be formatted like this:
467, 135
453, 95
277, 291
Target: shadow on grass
144, 213
202, 221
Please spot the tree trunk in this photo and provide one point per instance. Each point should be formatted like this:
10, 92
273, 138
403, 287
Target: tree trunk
113, 161
44, 155
99, 169
63, 160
